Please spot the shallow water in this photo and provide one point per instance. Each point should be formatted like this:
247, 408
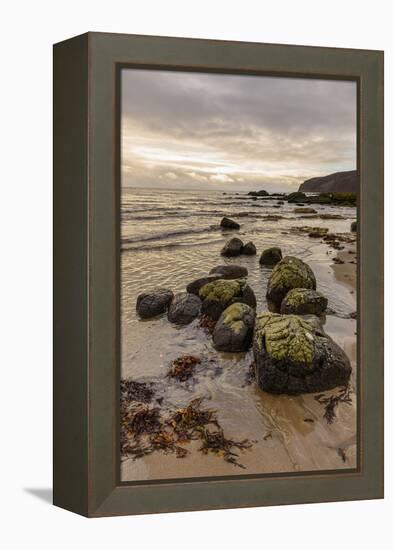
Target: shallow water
171, 238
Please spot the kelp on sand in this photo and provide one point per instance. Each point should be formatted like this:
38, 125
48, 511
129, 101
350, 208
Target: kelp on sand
146, 429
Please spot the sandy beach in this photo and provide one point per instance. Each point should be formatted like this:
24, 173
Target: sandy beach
288, 433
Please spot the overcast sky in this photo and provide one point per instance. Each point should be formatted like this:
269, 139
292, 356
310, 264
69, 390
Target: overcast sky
229, 132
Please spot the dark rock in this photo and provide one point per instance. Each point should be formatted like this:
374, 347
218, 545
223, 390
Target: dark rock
249, 249
218, 295
227, 223
196, 285
230, 271
290, 273
296, 197
302, 301
233, 247
271, 256
354, 226
150, 304
294, 356
305, 211
184, 308
234, 329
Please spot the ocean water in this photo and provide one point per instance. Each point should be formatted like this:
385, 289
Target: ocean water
169, 238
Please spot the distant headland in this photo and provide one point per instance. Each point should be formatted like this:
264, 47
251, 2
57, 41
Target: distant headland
339, 182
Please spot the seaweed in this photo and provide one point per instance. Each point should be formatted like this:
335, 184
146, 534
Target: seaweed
218, 444
136, 391
207, 323
250, 374
183, 367
144, 431
331, 402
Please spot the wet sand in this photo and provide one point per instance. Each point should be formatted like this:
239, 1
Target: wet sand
289, 433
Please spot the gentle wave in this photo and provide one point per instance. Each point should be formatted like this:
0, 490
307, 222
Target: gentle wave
168, 245
169, 234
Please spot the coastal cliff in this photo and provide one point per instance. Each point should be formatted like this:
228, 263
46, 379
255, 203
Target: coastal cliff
344, 182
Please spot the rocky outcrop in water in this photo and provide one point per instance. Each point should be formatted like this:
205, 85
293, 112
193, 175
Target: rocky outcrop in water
271, 256
156, 302
234, 329
218, 295
339, 182
354, 226
233, 247
249, 249
302, 301
289, 273
184, 308
296, 196
293, 356
227, 223
230, 271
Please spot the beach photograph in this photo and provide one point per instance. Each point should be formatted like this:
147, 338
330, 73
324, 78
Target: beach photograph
238, 275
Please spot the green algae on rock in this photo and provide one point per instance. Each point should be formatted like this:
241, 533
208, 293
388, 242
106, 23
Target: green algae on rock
234, 329
218, 295
293, 355
303, 301
289, 273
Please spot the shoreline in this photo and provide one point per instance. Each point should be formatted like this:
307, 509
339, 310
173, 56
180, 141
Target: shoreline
346, 272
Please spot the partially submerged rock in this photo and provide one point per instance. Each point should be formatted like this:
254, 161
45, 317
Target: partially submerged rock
289, 273
271, 256
156, 302
230, 271
354, 226
305, 210
218, 295
302, 301
227, 223
234, 329
249, 249
233, 247
195, 286
296, 197
184, 308
295, 356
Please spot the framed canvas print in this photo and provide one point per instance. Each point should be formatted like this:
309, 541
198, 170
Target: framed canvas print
218, 274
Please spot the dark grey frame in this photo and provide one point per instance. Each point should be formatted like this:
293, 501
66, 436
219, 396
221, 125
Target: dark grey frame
86, 273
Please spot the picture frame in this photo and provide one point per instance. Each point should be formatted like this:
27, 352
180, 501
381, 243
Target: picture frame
87, 273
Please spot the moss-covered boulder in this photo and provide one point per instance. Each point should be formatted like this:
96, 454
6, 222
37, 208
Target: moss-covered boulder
303, 301
218, 295
195, 286
233, 247
293, 356
229, 271
289, 273
185, 307
155, 302
271, 256
234, 329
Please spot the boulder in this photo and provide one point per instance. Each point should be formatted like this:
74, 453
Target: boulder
218, 295
234, 329
150, 304
230, 271
195, 286
290, 273
296, 197
249, 249
227, 223
233, 247
354, 226
271, 256
294, 356
302, 301
184, 308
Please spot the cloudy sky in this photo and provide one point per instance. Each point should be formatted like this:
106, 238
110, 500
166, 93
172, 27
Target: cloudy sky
230, 132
